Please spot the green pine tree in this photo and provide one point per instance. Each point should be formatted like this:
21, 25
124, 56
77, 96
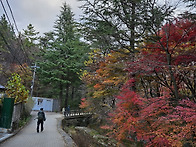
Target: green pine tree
63, 56
30, 42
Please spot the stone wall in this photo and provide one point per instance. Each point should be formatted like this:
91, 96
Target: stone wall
77, 120
17, 114
84, 136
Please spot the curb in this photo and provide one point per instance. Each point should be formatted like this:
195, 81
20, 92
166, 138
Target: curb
5, 137
9, 135
67, 139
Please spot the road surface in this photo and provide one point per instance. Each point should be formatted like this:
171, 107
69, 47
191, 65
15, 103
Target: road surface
28, 136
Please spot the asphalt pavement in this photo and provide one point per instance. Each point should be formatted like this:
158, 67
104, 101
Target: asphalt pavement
52, 136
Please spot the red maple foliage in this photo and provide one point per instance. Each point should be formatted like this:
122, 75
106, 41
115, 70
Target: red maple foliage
166, 70
155, 121
169, 61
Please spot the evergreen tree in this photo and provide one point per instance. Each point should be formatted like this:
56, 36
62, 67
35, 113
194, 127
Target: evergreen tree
30, 35
7, 48
30, 42
6, 35
121, 23
63, 56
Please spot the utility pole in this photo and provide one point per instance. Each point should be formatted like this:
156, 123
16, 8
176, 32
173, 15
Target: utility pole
32, 85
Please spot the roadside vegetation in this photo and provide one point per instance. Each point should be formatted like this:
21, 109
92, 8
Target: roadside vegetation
132, 64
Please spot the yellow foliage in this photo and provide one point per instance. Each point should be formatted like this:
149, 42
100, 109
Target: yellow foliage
15, 89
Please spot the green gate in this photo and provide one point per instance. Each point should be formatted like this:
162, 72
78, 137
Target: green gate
6, 113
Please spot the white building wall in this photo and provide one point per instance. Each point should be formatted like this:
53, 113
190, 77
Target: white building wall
44, 103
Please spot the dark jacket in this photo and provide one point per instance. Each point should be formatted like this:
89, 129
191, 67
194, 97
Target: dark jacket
43, 114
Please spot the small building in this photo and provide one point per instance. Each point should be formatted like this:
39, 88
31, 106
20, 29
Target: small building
2, 90
47, 104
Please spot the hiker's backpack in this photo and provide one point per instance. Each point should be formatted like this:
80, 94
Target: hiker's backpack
40, 116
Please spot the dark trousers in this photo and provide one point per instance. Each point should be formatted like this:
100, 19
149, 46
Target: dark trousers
42, 125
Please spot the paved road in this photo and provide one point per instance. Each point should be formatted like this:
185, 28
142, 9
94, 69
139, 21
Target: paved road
28, 137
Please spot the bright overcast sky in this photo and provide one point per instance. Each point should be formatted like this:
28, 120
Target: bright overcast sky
40, 13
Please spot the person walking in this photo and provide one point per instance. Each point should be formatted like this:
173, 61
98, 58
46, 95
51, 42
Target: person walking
40, 119
68, 109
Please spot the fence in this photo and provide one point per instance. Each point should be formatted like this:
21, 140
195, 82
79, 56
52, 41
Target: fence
11, 115
75, 113
6, 114
17, 113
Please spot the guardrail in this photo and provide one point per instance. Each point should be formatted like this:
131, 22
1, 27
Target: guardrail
75, 113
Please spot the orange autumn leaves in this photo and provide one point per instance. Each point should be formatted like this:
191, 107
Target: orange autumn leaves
150, 114
105, 75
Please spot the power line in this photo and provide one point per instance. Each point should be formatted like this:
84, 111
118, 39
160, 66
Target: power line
21, 42
12, 16
5, 12
18, 38
10, 49
1, 34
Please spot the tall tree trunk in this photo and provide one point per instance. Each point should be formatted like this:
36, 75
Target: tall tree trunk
72, 92
61, 95
132, 39
173, 79
173, 84
194, 86
67, 95
158, 94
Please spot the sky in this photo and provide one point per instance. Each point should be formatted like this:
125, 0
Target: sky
40, 13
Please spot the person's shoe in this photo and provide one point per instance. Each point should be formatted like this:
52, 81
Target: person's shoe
37, 131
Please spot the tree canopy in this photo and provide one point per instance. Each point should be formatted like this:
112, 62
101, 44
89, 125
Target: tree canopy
63, 55
154, 89
111, 25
